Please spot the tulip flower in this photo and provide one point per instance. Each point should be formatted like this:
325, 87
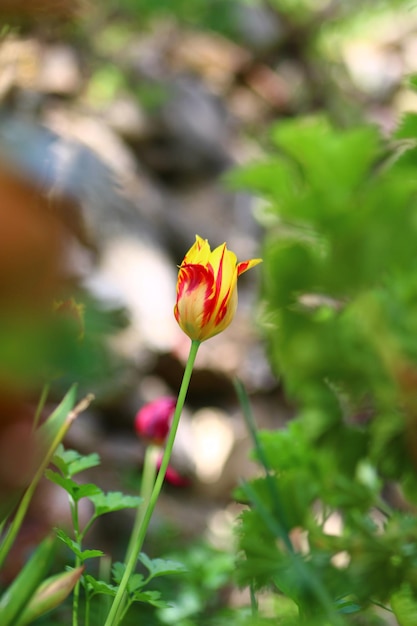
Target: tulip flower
153, 420
207, 289
206, 304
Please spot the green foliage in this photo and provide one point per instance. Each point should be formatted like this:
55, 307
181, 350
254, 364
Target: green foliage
136, 589
70, 463
339, 315
160, 567
113, 501
195, 598
75, 547
215, 14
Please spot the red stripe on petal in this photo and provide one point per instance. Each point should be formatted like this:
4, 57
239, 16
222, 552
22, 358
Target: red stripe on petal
223, 308
191, 277
242, 267
246, 265
219, 276
195, 290
212, 302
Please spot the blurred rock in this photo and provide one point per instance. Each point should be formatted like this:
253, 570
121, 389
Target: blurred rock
19, 62
127, 119
209, 385
211, 57
59, 70
189, 135
211, 211
212, 441
35, 67
258, 26
136, 273
374, 69
116, 195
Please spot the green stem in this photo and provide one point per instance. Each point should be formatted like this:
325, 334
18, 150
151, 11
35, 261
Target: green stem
147, 485
253, 600
104, 573
87, 609
76, 593
125, 610
133, 557
41, 404
78, 563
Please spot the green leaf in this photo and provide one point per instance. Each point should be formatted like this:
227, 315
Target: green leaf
150, 597
75, 490
136, 581
161, 567
59, 461
71, 462
76, 548
113, 501
313, 144
85, 491
58, 479
407, 128
347, 606
118, 571
83, 463
99, 586
50, 428
404, 605
412, 81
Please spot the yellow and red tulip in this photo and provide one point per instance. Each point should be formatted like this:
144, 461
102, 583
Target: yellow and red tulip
207, 289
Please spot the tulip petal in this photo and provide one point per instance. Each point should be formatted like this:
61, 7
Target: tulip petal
244, 266
198, 253
195, 290
226, 277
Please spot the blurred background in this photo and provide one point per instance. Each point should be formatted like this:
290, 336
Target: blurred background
120, 123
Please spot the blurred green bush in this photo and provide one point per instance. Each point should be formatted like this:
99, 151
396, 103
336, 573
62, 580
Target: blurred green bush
340, 319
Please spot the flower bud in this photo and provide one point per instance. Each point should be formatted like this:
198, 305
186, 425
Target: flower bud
207, 289
153, 420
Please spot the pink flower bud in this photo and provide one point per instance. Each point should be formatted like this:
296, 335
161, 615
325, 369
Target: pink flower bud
153, 420
173, 477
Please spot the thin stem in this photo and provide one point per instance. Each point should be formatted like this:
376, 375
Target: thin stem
41, 404
87, 527
253, 600
124, 611
104, 573
87, 609
147, 485
130, 565
77, 535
